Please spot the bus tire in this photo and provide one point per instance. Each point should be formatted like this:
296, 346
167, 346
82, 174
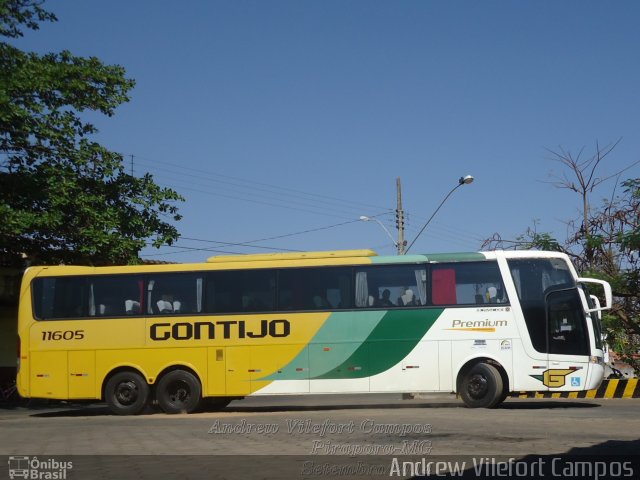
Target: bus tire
126, 393
504, 396
179, 391
482, 386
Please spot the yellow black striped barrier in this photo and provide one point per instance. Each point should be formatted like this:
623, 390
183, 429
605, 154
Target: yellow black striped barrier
608, 389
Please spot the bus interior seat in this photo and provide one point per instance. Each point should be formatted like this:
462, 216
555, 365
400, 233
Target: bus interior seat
132, 307
406, 299
319, 303
164, 306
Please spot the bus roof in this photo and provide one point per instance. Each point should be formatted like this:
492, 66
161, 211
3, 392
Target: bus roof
293, 259
432, 257
263, 257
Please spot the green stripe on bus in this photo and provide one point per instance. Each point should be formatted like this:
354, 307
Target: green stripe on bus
340, 335
390, 341
399, 259
430, 257
455, 257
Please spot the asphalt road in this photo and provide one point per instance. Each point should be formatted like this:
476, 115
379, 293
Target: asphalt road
258, 433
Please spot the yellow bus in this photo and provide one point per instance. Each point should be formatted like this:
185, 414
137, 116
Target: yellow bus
186, 335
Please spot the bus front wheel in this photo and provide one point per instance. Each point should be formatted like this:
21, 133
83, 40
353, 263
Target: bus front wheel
126, 393
179, 391
482, 386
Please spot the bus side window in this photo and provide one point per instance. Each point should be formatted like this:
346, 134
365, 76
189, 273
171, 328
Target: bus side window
314, 289
467, 283
116, 295
175, 294
391, 286
61, 297
240, 291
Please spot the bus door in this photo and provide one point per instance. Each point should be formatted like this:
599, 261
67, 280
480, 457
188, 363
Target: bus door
555, 324
567, 341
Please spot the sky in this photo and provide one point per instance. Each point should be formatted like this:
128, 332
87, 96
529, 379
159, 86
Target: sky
283, 122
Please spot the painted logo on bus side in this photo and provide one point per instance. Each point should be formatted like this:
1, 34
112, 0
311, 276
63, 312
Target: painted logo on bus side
221, 329
477, 325
555, 378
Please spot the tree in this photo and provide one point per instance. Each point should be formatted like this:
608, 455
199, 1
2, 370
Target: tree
63, 197
604, 243
615, 242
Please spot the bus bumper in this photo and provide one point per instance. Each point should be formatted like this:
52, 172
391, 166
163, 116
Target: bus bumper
596, 375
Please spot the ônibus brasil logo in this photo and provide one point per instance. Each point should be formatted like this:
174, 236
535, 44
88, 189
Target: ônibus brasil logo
34, 468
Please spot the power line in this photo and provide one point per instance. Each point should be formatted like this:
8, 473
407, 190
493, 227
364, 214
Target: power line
451, 232
312, 202
230, 244
271, 195
259, 202
311, 230
184, 249
341, 202
279, 188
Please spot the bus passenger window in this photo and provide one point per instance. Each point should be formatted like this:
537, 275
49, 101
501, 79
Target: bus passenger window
391, 286
174, 293
467, 283
241, 291
115, 295
60, 297
314, 289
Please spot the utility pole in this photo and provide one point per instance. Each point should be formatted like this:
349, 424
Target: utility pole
400, 219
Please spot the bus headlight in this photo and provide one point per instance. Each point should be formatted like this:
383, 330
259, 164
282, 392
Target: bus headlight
597, 360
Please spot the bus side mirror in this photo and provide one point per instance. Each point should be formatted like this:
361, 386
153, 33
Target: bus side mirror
608, 296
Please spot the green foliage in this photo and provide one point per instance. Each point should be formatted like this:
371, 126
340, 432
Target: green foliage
617, 260
540, 241
622, 340
14, 13
63, 197
530, 240
630, 239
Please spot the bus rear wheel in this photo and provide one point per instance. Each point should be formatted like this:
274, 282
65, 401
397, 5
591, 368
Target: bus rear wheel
179, 391
126, 393
482, 386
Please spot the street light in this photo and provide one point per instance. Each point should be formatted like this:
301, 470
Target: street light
364, 218
462, 181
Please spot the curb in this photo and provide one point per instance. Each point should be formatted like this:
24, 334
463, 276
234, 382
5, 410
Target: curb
608, 389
